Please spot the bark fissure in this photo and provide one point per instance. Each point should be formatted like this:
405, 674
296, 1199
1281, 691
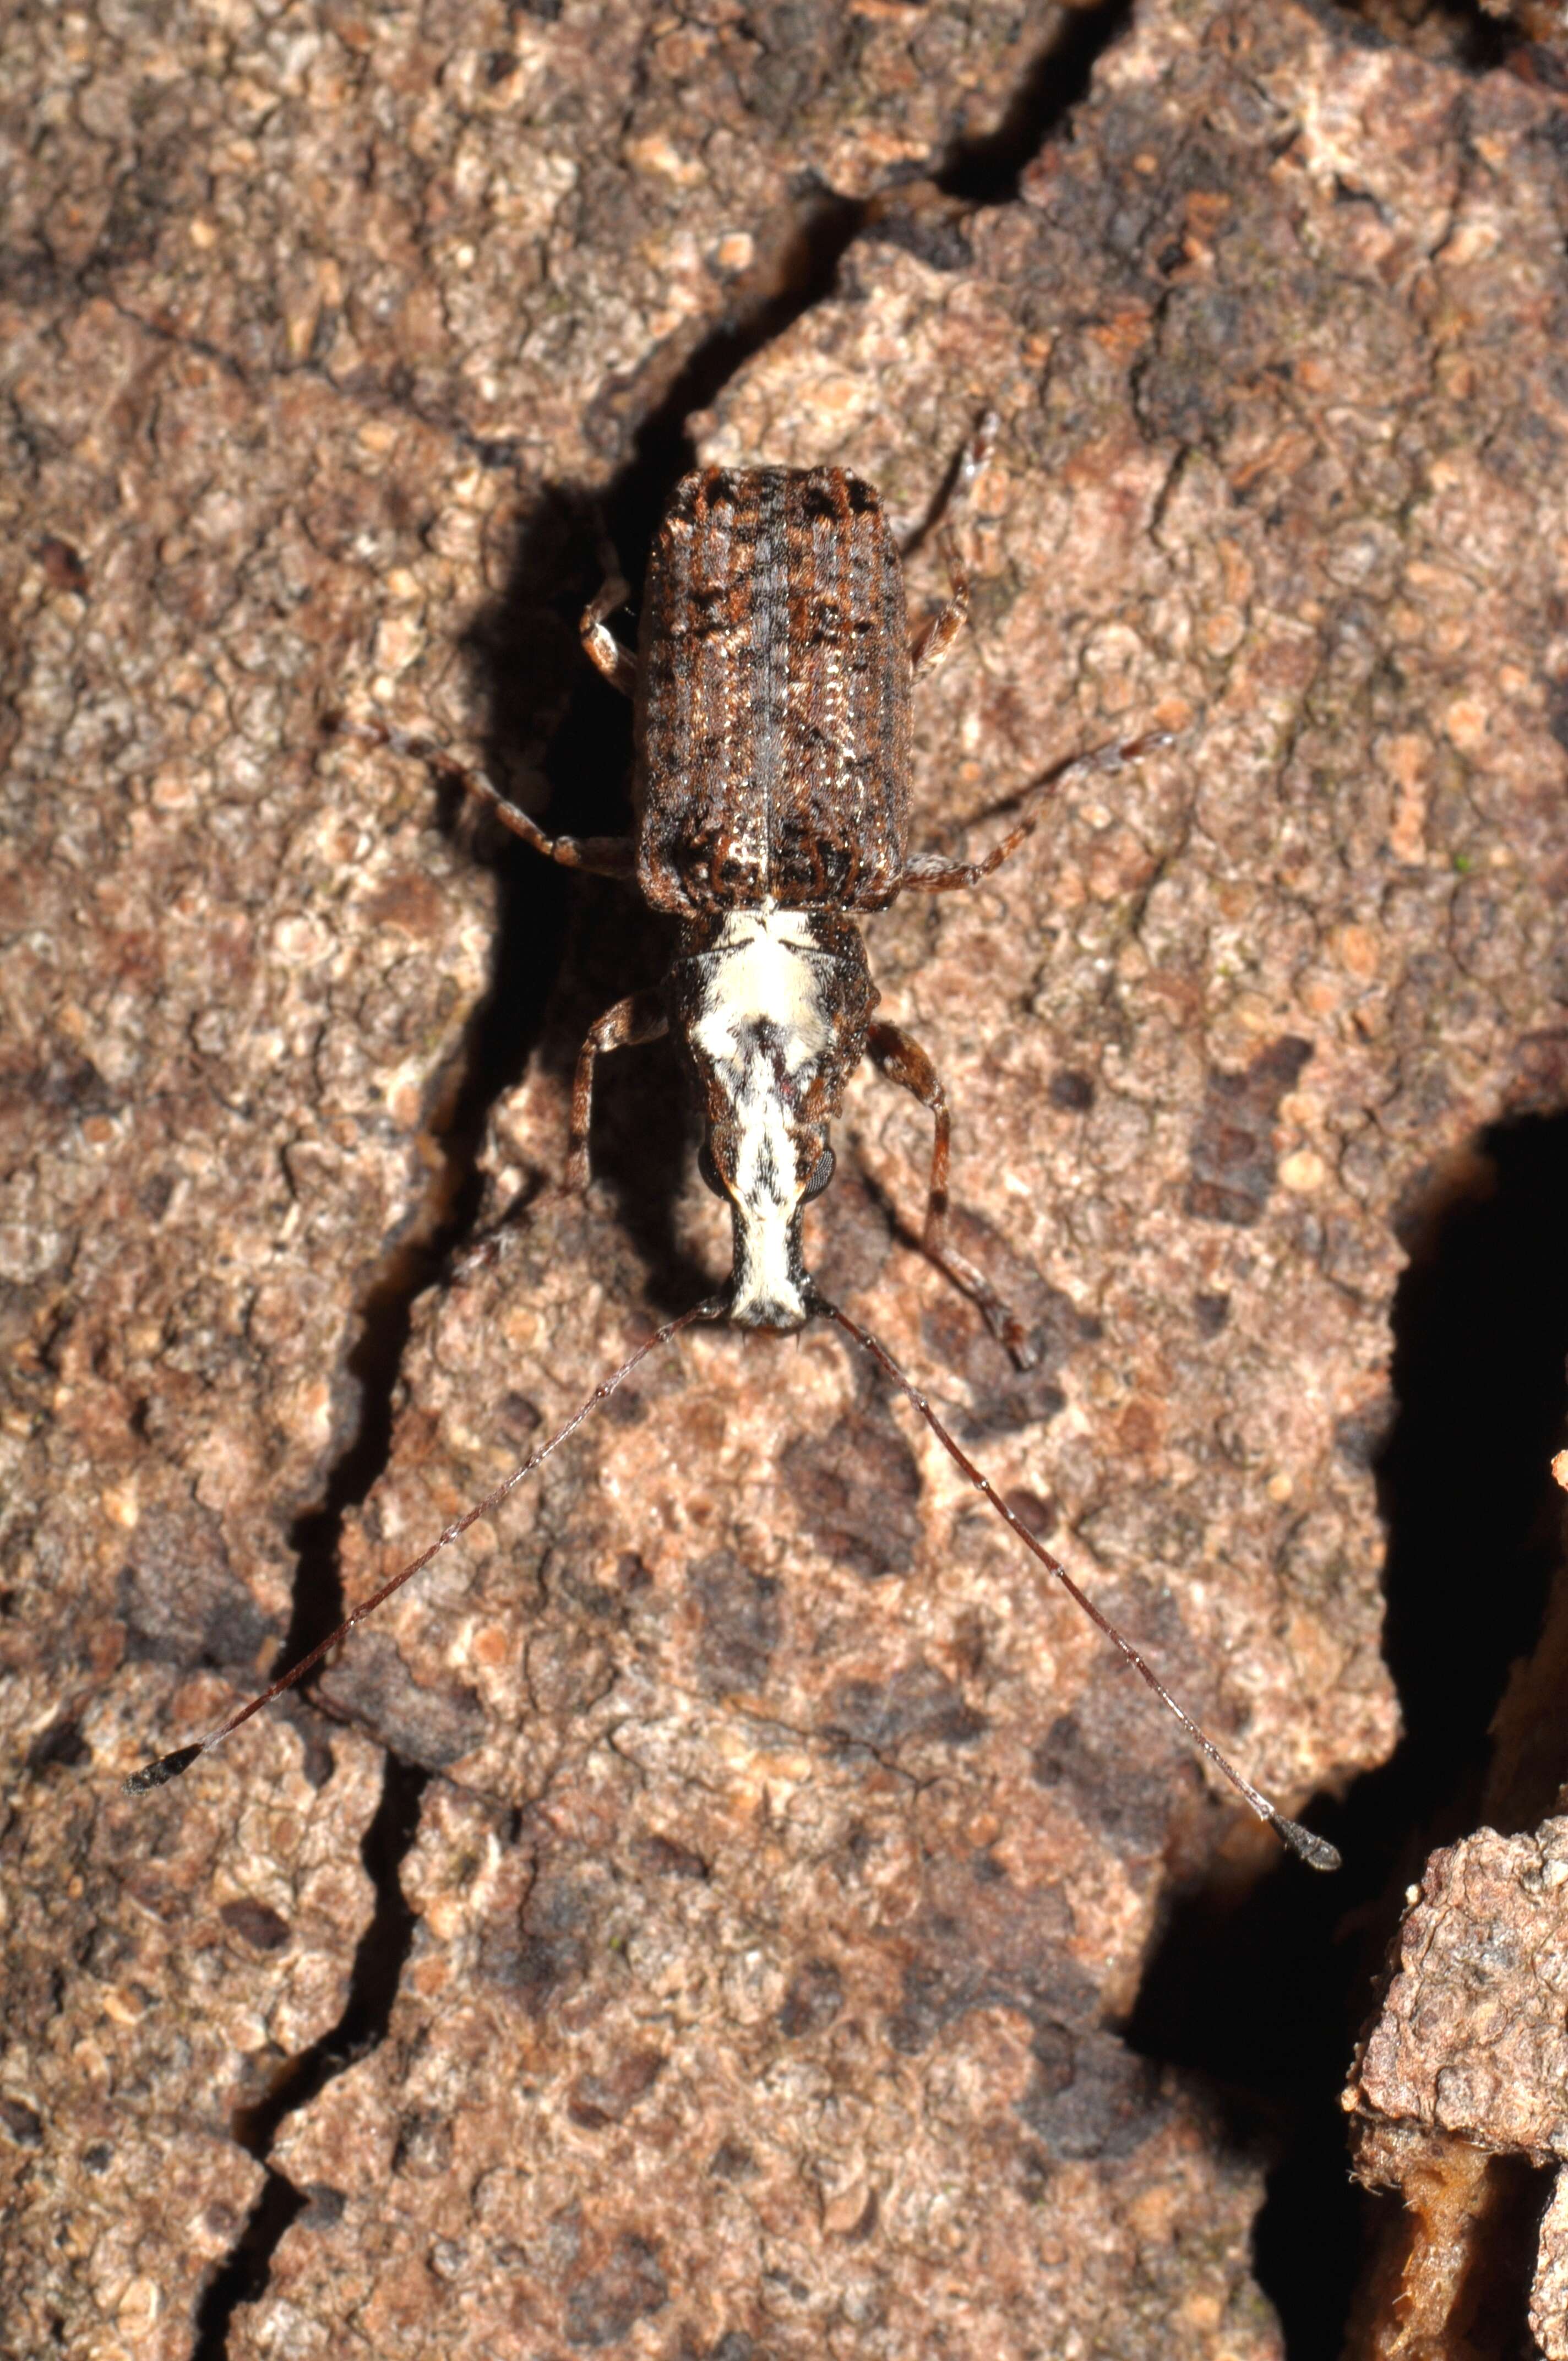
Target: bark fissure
242, 2276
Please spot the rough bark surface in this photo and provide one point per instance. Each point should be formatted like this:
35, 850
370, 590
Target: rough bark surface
790, 1856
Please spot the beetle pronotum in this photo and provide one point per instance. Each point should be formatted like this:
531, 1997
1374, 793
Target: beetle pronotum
771, 795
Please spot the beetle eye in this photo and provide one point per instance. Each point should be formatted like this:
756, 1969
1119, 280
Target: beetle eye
709, 1170
821, 1173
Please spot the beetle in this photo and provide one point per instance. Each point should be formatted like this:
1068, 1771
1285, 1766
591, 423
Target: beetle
771, 690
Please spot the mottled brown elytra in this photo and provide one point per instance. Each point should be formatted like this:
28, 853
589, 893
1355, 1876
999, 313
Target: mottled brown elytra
773, 683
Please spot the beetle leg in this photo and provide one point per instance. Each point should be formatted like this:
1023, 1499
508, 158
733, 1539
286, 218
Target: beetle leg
630, 1023
932, 872
933, 643
600, 645
604, 856
904, 1061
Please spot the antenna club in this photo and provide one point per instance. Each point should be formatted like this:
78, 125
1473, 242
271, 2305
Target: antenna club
1315, 1851
159, 1773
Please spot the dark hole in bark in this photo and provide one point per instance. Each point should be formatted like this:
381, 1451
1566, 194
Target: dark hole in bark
1264, 1988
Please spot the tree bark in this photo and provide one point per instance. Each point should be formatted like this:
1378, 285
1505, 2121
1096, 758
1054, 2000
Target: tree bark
748, 1978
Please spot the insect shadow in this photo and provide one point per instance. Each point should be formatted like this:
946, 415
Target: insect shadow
557, 735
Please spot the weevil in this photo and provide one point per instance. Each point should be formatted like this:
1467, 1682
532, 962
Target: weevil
772, 687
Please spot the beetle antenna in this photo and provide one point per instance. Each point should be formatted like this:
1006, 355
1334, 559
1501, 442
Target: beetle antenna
1315, 1851
173, 1766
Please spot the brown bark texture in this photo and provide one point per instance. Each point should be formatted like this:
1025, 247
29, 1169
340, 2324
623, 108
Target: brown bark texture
1463, 2078
787, 1853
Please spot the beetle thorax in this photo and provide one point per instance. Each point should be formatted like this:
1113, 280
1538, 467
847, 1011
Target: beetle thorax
770, 1008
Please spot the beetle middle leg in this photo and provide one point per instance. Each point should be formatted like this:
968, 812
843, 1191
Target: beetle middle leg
904, 1061
604, 856
640, 1017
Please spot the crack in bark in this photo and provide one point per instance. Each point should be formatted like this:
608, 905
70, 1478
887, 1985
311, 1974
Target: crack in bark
981, 172
987, 171
377, 1970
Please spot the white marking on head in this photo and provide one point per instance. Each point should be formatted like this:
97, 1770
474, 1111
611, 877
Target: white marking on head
764, 1030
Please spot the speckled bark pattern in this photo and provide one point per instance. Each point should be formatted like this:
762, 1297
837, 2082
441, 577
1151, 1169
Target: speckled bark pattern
301, 310
789, 1858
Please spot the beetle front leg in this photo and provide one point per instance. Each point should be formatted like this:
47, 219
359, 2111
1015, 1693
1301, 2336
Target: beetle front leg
625, 1026
904, 1061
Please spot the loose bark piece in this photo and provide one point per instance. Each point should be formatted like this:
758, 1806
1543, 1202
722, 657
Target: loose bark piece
1452, 2265
1473, 2036
1466, 2071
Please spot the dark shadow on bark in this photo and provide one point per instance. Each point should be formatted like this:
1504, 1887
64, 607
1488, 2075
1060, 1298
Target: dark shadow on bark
1264, 1989
568, 947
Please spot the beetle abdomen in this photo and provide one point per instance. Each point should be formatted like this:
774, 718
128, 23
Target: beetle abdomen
774, 696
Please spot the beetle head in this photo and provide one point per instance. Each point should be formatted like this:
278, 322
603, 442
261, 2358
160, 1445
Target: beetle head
770, 1012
